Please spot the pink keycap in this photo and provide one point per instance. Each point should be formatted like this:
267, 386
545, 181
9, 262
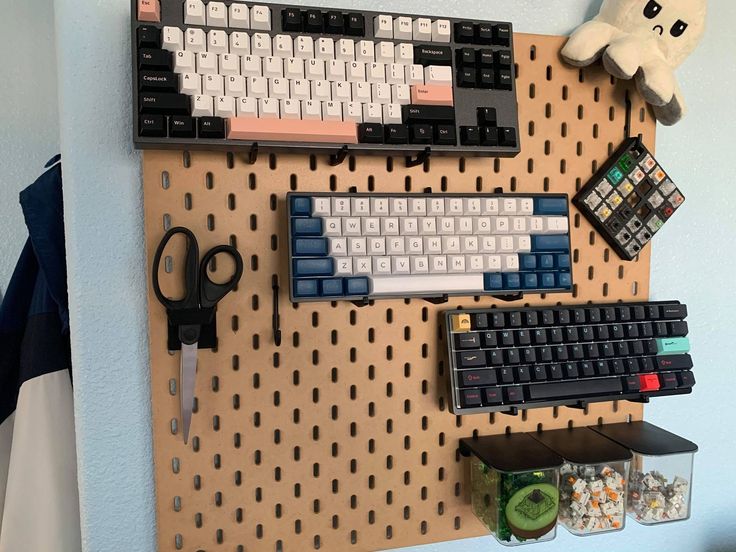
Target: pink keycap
149, 10
292, 130
431, 94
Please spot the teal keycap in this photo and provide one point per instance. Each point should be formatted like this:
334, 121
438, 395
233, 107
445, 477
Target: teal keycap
672, 345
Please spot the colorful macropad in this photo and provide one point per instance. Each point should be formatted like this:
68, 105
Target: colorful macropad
629, 199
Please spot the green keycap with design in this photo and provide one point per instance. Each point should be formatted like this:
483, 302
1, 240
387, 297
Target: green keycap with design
672, 345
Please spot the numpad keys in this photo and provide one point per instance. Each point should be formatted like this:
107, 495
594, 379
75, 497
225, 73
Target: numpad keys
629, 199
360, 246
211, 74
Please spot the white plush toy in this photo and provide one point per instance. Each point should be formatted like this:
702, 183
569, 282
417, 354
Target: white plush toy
646, 39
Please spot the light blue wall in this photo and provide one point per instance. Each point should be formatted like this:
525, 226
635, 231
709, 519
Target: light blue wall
693, 261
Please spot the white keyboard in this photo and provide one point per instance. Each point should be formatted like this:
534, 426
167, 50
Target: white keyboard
366, 246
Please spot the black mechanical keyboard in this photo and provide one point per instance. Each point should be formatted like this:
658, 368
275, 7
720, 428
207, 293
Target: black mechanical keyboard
509, 359
232, 74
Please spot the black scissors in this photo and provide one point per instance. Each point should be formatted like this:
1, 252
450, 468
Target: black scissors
196, 308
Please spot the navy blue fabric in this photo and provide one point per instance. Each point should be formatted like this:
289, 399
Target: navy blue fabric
34, 314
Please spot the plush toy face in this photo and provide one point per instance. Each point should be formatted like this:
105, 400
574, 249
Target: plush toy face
676, 25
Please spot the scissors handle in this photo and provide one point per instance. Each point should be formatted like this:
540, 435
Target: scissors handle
191, 271
211, 292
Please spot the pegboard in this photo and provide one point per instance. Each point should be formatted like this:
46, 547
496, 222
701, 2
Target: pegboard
340, 438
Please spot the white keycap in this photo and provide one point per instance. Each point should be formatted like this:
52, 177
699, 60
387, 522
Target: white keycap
422, 29
195, 40
398, 205
360, 206
437, 263
172, 39
362, 265
224, 106
260, 18
536, 225
257, 87
206, 63
213, 85
344, 267
217, 42
526, 206
375, 72
247, 107
471, 206
291, 109
392, 114
414, 245
404, 53
419, 265
235, 86
400, 94
450, 244
304, 47
352, 111
505, 244
251, 66
441, 30
464, 225
377, 245
456, 263
379, 206
381, 93
341, 91
522, 244
216, 14
341, 206
493, 263
489, 206
510, 263
488, 244
432, 244
190, 83
365, 51
438, 74
509, 206
194, 13
311, 109
474, 263
428, 226
294, 68
239, 16
324, 48
332, 111
355, 71
184, 62
519, 225
445, 225
202, 106
402, 28
260, 44
273, 66
500, 225
418, 206
320, 90
278, 88
351, 226
314, 69
381, 265
400, 265
335, 70
482, 225
414, 74
321, 207
383, 26
409, 226
395, 73
338, 247
229, 64
333, 227
345, 49
283, 46
385, 52
239, 42
361, 92
371, 226
390, 226
436, 206
555, 225
454, 206
268, 108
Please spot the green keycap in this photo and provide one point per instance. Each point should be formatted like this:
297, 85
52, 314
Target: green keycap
672, 345
615, 176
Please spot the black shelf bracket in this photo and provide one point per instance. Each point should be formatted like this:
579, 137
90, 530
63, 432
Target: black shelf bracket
276, 318
509, 297
437, 300
253, 153
513, 411
364, 302
498, 190
580, 405
419, 159
339, 157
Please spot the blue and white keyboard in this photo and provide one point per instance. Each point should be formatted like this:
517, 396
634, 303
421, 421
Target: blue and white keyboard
359, 246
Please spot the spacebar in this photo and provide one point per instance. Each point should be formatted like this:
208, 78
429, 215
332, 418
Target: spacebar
428, 283
576, 388
292, 130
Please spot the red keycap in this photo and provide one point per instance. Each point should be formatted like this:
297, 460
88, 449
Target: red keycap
649, 382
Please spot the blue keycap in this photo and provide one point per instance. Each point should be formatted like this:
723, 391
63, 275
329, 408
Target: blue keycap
301, 206
564, 280
314, 267
306, 226
530, 281
309, 247
548, 280
563, 261
306, 288
550, 206
331, 287
492, 281
528, 262
546, 261
557, 242
357, 286
512, 281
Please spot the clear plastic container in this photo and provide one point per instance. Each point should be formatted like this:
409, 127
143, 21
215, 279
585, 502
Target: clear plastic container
514, 487
660, 478
593, 480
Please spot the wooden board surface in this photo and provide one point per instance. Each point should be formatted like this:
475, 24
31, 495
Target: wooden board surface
340, 438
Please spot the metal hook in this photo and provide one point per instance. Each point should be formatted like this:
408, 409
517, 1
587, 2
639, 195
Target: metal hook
253, 154
339, 157
420, 159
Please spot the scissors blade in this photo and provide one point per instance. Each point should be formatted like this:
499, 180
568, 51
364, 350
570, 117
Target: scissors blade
187, 377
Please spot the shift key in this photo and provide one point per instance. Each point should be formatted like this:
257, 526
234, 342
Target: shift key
165, 103
427, 114
475, 378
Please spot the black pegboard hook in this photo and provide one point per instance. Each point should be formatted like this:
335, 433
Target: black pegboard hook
338, 158
420, 158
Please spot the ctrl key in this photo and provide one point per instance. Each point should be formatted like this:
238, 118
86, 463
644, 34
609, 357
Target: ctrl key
470, 398
152, 125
